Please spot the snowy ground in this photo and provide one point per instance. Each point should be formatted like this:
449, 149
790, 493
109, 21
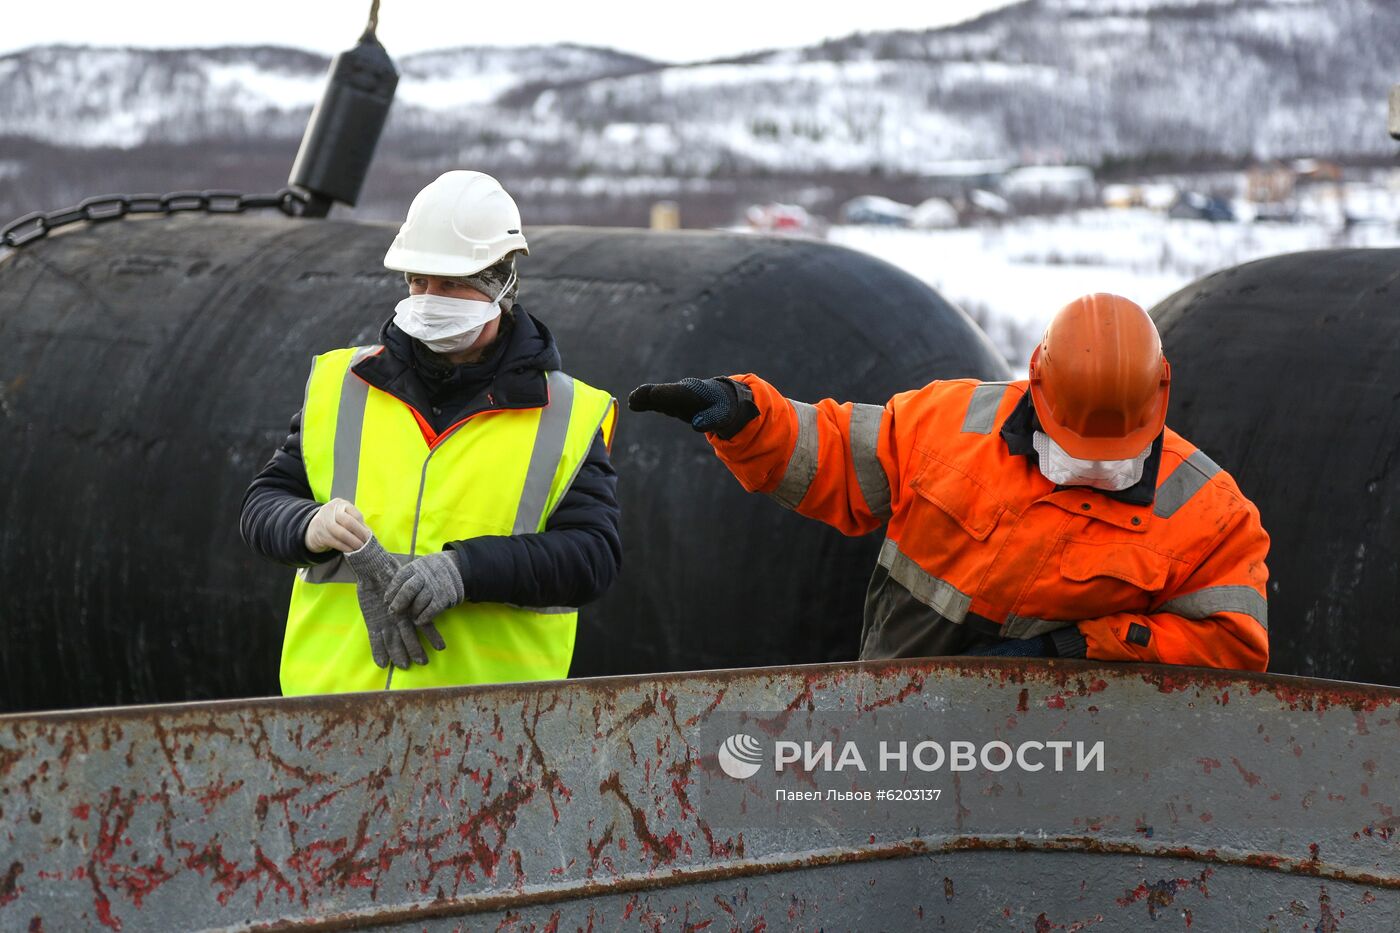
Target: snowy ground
1012, 278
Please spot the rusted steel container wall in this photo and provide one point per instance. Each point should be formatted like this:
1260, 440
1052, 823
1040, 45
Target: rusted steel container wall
151, 367
1286, 371
1248, 802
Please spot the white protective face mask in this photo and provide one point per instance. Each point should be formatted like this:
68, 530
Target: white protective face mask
447, 325
1063, 470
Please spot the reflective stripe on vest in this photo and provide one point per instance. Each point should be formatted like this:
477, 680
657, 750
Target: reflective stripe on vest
939, 595
982, 408
1186, 480
1245, 600
949, 601
802, 465
1028, 627
865, 457
501, 472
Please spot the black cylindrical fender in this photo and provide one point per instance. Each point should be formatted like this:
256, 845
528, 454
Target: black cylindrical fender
1286, 372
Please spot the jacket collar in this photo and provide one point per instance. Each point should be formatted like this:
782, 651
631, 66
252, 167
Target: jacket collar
515, 373
1018, 431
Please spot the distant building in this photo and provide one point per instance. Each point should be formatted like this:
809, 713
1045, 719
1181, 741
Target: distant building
958, 179
934, 214
982, 203
1122, 196
1192, 205
1068, 183
1156, 196
1270, 184
873, 209
1317, 171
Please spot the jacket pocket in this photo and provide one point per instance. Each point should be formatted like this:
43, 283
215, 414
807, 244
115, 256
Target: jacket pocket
967, 502
1145, 569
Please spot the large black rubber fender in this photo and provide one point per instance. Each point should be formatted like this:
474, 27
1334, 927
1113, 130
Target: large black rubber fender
151, 367
1286, 371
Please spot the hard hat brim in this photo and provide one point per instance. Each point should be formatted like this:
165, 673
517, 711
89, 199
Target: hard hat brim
448, 264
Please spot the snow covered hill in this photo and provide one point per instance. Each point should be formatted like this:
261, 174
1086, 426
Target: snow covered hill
83, 96
1042, 79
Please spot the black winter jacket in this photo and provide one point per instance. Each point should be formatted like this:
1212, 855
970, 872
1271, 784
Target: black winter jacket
572, 562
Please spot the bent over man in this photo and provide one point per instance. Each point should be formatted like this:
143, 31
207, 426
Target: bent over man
449, 484
1055, 516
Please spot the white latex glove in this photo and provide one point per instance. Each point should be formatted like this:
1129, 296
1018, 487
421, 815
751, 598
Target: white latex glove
337, 525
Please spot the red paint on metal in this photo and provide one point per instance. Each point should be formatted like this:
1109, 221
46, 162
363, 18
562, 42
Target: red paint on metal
231, 878
661, 849
1306, 697
915, 685
549, 778
1327, 921
1022, 702
211, 795
729, 848
8, 759
714, 705
1208, 764
1081, 688
680, 780
595, 852
9, 885
1160, 894
1250, 777
104, 909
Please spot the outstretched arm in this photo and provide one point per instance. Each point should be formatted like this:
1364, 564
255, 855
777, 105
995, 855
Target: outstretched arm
835, 462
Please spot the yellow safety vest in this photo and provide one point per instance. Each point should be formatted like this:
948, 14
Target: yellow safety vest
500, 472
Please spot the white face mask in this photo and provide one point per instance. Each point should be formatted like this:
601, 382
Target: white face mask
447, 325
1063, 470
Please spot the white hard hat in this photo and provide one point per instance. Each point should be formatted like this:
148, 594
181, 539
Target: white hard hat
460, 224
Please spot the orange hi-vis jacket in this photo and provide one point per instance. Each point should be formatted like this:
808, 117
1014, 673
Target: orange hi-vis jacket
979, 538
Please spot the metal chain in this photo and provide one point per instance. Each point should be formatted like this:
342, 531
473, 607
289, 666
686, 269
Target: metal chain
39, 224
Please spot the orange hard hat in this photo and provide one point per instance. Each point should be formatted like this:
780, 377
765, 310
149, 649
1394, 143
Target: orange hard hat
1099, 381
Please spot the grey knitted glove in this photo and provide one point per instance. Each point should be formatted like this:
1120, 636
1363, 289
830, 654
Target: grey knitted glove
389, 640
424, 587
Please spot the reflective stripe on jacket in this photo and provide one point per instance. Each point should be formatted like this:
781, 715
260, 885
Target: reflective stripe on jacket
977, 535
501, 472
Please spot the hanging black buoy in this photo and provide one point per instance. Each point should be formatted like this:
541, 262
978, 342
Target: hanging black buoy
344, 128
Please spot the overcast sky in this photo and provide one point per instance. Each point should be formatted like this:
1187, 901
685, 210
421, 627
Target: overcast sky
686, 31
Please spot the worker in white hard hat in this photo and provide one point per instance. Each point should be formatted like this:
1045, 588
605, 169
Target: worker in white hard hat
447, 492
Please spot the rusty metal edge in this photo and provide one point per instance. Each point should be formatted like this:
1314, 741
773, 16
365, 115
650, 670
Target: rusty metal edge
1289, 689
912, 848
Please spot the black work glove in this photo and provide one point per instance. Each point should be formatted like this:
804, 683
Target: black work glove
713, 406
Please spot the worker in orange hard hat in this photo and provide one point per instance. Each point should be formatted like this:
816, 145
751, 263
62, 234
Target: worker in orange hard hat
1055, 516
